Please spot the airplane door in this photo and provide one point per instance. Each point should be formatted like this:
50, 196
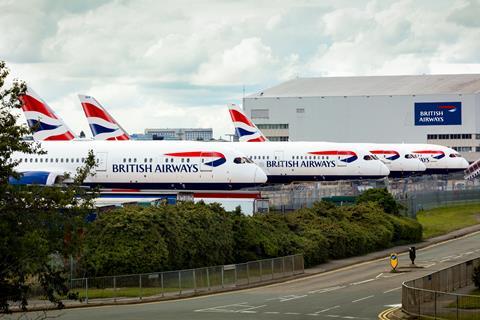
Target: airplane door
203, 166
278, 155
101, 159
341, 163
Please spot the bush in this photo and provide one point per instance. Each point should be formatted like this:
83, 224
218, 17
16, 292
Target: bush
383, 198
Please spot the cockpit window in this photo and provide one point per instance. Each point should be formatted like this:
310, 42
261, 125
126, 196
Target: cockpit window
240, 160
454, 155
409, 156
368, 157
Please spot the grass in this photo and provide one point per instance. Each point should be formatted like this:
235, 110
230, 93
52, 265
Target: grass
439, 221
468, 302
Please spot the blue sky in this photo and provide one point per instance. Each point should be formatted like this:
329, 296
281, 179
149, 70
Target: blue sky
178, 63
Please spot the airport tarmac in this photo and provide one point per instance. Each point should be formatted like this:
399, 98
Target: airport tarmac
357, 292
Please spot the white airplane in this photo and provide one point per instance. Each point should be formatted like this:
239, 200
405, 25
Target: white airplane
286, 162
142, 165
401, 159
473, 170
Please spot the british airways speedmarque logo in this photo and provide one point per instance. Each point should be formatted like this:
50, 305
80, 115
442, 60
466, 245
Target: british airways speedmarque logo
202, 154
347, 156
390, 154
437, 154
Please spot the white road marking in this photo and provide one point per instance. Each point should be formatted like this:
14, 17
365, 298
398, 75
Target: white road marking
364, 298
242, 307
326, 289
328, 309
361, 282
469, 252
391, 290
271, 312
393, 305
429, 265
292, 313
333, 316
379, 275
287, 298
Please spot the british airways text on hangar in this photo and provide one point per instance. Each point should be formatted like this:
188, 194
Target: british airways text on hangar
438, 113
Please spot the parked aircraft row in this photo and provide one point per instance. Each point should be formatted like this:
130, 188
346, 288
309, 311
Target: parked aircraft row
195, 165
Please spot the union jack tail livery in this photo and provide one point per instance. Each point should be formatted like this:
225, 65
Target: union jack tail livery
246, 130
102, 124
40, 117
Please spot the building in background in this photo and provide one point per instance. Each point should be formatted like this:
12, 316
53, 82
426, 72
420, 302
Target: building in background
439, 109
194, 134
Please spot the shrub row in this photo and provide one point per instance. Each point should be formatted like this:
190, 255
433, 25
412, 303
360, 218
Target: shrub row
188, 235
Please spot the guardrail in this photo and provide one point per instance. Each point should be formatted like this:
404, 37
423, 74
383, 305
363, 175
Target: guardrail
432, 295
158, 285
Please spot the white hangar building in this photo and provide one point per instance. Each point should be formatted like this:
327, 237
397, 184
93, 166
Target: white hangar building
439, 109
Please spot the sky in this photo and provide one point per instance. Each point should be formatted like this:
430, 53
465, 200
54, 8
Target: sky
157, 64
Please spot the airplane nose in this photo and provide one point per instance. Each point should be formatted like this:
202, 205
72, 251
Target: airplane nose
421, 166
384, 171
463, 163
260, 176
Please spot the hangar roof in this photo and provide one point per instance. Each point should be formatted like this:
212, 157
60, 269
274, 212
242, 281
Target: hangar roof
375, 86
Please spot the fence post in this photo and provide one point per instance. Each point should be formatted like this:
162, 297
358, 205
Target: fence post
180, 283
86, 290
283, 266
140, 284
114, 289
457, 307
435, 304
235, 275
248, 274
194, 282
161, 281
208, 279
293, 265
260, 269
272, 268
222, 275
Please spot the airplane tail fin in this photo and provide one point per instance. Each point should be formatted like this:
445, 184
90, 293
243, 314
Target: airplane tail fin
246, 130
102, 124
42, 119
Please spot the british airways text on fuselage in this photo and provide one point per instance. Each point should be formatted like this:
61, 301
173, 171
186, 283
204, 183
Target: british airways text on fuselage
300, 164
150, 168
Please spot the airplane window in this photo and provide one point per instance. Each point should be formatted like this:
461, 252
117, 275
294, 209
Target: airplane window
78, 160
145, 160
150, 159
36, 160
41, 160
368, 157
454, 155
188, 159
31, 159
129, 159
263, 157
237, 160
83, 159
72, 160
61, 159
56, 159
124, 160
134, 159
66, 160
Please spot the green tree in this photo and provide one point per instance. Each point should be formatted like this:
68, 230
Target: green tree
383, 198
38, 225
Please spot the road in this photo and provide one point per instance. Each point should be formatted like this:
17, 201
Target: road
356, 292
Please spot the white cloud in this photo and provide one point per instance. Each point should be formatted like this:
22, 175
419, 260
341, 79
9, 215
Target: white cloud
168, 64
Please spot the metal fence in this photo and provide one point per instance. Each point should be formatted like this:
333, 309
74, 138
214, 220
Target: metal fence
415, 193
159, 285
432, 295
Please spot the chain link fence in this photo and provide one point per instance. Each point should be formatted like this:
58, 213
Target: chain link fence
159, 285
415, 193
432, 295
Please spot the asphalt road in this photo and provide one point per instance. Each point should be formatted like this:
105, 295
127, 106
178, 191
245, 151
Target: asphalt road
357, 292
